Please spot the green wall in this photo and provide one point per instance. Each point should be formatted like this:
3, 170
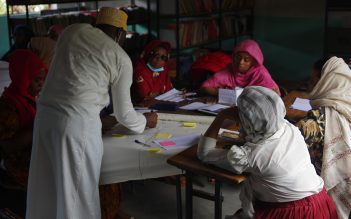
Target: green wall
290, 45
4, 39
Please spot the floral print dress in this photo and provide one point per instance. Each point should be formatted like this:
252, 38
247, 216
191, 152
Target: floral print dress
312, 128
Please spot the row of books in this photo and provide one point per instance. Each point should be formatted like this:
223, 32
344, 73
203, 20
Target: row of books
237, 4
41, 25
235, 25
191, 32
194, 7
189, 7
203, 31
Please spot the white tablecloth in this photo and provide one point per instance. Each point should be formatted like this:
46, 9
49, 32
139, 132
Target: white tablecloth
125, 160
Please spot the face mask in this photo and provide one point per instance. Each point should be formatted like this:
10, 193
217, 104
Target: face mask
155, 69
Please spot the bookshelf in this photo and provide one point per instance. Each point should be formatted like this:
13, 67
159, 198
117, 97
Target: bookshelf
41, 22
192, 24
337, 28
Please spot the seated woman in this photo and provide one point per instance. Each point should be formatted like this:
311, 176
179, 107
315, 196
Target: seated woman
150, 77
17, 112
327, 129
22, 34
282, 182
246, 70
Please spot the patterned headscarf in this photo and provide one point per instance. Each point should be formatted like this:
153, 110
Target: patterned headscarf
261, 112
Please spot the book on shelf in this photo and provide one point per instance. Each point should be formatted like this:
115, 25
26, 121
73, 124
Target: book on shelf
187, 7
191, 33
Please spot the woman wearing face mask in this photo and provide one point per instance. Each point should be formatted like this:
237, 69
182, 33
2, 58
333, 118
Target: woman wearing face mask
247, 70
150, 77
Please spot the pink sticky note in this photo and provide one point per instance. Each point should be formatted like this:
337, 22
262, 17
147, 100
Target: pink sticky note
167, 143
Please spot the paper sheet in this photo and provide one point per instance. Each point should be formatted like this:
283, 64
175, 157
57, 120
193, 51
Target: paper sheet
194, 106
301, 104
229, 96
173, 95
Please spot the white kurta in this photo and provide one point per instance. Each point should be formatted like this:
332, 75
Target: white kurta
67, 145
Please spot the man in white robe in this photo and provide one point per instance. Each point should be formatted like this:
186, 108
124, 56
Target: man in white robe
67, 144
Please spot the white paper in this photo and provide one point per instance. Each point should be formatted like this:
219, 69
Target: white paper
301, 104
226, 96
229, 96
214, 109
181, 141
173, 95
194, 106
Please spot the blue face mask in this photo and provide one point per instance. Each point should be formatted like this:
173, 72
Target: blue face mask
155, 69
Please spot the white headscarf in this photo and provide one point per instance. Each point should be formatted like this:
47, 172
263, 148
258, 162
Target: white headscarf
261, 112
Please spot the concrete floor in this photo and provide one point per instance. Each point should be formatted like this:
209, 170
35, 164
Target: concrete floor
151, 199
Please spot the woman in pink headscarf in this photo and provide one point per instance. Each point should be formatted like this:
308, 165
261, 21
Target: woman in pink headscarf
247, 70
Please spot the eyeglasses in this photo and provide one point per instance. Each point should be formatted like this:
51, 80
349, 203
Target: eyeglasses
162, 57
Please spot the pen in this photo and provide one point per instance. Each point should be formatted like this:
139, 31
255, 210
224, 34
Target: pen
142, 143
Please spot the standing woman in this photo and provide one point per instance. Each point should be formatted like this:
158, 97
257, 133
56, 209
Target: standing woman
150, 75
327, 129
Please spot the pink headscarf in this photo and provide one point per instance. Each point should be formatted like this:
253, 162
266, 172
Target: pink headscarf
252, 76
257, 75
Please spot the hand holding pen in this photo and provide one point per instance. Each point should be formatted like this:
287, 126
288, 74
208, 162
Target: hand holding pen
151, 119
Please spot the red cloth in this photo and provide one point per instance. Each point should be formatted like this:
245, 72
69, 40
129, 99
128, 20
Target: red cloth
144, 82
24, 67
212, 62
147, 52
315, 206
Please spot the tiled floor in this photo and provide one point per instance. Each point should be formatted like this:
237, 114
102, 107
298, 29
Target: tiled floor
151, 199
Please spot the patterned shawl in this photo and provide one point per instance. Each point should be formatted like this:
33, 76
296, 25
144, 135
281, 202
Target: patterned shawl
333, 92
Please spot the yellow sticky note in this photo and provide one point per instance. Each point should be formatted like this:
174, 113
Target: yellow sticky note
118, 135
189, 124
153, 150
163, 135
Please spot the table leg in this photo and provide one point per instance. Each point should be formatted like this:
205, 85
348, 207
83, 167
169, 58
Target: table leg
189, 195
179, 198
218, 200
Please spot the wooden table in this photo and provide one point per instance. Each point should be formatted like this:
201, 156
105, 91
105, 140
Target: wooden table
188, 162
294, 115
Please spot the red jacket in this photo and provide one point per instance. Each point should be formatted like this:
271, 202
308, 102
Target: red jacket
145, 81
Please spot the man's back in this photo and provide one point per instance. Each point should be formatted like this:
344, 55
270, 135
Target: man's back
85, 63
